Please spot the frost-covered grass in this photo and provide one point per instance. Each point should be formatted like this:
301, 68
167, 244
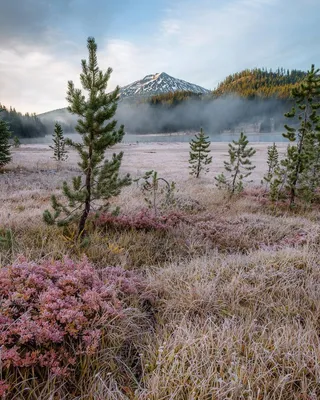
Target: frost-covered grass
232, 287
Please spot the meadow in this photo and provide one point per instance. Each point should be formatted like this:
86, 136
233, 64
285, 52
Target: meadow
219, 296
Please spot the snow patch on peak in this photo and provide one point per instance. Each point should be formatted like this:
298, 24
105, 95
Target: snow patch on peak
159, 83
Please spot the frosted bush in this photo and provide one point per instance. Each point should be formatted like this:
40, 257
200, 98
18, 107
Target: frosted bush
52, 313
144, 220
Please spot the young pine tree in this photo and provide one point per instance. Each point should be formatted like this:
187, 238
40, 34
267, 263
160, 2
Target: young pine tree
5, 153
239, 166
16, 142
100, 177
273, 164
199, 154
301, 164
313, 177
59, 144
159, 192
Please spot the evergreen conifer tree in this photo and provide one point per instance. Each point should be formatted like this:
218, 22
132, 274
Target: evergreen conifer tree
16, 142
239, 166
199, 154
313, 177
273, 164
100, 177
301, 163
5, 153
59, 146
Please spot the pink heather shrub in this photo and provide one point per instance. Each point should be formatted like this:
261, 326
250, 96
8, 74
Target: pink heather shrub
4, 387
144, 220
54, 312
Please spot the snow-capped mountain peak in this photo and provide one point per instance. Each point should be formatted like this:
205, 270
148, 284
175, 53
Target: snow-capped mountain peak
159, 83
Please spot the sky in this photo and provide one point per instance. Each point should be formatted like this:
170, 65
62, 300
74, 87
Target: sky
42, 42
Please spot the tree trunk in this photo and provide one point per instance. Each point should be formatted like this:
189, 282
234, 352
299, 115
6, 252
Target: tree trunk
198, 166
236, 173
85, 213
83, 219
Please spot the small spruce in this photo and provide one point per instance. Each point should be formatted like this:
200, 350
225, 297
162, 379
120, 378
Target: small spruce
59, 144
238, 167
199, 154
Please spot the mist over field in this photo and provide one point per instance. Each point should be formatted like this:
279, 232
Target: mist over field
215, 116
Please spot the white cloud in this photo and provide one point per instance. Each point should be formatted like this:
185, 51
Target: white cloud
203, 43
199, 43
170, 27
130, 61
196, 41
32, 80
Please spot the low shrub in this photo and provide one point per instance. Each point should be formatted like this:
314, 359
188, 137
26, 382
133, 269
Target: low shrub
144, 220
54, 313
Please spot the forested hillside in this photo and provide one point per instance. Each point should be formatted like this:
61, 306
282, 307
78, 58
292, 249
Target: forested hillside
173, 98
23, 126
260, 83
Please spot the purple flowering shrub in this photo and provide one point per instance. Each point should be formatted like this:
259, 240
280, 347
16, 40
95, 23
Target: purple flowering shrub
53, 312
144, 220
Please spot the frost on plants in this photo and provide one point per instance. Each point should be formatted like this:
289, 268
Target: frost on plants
54, 312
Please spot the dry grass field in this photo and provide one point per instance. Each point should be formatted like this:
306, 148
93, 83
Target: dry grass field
234, 285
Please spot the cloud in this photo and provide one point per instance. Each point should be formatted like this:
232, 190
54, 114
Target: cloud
170, 27
200, 43
29, 21
43, 41
131, 62
32, 80
203, 43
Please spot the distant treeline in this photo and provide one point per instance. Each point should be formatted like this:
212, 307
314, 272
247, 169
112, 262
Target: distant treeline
23, 126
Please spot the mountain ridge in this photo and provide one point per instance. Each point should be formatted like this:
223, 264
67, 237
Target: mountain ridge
158, 83
149, 86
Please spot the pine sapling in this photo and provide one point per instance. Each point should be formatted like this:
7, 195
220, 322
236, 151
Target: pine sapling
239, 166
60, 152
302, 157
308, 189
314, 174
199, 154
100, 179
16, 142
158, 191
273, 165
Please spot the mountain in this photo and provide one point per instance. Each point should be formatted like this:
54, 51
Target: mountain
260, 83
62, 115
155, 84
161, 103
150, 85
